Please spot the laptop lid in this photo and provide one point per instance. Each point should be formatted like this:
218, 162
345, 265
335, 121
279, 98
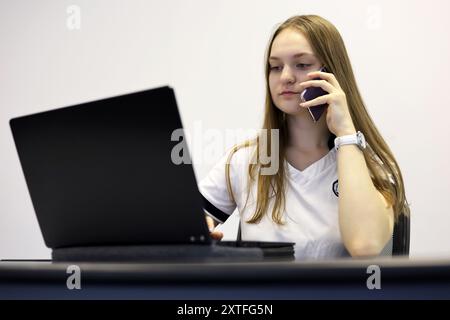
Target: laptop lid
101, 172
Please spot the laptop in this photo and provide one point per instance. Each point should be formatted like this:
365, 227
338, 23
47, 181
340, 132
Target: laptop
102, 175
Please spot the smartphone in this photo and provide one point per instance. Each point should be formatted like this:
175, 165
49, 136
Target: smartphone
312, 93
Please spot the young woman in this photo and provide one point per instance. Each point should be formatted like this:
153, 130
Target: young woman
331, 197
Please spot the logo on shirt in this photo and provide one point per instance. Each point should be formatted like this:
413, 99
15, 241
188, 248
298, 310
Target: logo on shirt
335, 188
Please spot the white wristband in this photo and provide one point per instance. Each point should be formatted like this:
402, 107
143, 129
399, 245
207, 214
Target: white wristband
357, 138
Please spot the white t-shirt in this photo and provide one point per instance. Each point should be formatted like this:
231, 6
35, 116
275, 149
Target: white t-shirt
311, 213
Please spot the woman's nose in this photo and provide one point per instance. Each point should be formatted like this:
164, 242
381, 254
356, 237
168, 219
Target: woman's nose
287, 75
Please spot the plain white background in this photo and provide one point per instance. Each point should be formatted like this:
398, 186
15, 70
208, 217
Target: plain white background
212, 53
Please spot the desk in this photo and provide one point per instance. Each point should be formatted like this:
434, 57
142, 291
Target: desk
347, 279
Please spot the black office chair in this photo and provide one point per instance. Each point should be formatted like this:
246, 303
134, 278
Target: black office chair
400, 238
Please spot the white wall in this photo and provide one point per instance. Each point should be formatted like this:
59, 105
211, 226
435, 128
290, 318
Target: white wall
211, 52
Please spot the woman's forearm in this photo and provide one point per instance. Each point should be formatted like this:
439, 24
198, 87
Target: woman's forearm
365, 219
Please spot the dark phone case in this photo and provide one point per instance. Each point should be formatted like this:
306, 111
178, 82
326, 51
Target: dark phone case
312, 93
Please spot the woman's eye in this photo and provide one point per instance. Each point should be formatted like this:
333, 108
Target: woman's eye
299, 65
304, 65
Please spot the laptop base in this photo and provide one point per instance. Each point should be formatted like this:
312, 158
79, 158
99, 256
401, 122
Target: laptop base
157, 253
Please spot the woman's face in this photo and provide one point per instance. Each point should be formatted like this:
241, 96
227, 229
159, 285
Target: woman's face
290, 60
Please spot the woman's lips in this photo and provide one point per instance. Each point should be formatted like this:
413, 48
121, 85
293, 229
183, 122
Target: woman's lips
288, 94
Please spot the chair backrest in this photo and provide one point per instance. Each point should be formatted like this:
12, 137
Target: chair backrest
400, 244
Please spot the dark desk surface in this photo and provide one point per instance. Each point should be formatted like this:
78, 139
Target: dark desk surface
344, 279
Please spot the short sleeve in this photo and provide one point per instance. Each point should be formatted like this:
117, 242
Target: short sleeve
216, 200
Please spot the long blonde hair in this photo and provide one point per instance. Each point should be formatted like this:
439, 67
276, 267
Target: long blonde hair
329, 48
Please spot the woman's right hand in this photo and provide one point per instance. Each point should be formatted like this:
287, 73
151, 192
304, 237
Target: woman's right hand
216, 235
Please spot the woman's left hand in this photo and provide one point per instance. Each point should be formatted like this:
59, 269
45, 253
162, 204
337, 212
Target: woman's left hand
338, 117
